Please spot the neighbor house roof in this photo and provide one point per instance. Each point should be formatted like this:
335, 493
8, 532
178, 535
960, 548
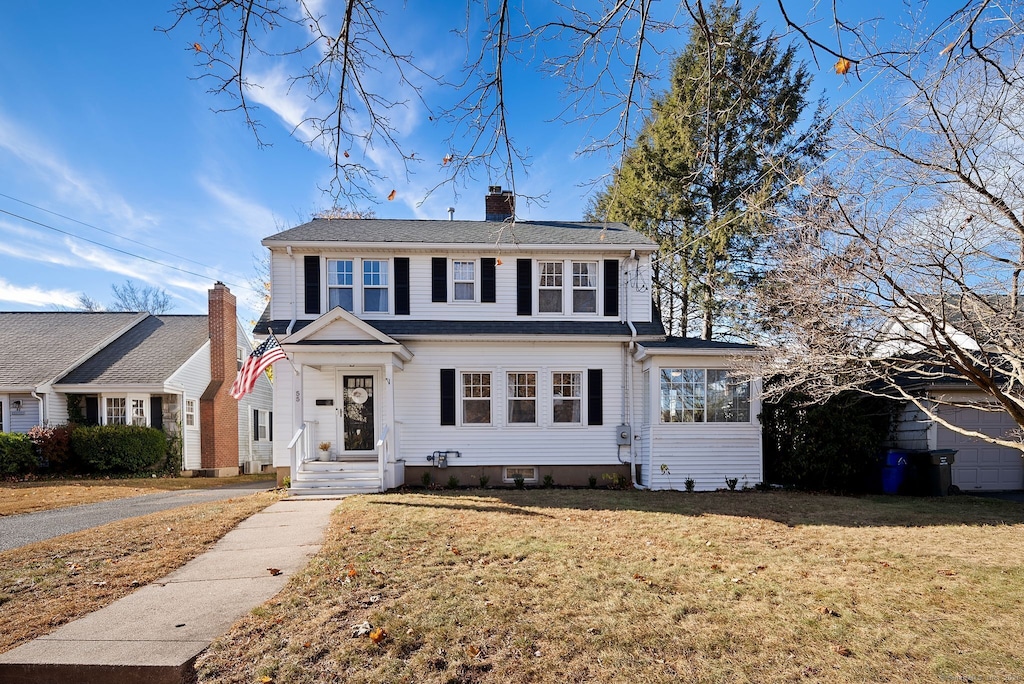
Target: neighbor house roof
461, 232
148, 354
37, 346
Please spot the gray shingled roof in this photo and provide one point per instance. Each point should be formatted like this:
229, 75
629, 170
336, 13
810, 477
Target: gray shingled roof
145, 355
417, 328
37, 346
461, 232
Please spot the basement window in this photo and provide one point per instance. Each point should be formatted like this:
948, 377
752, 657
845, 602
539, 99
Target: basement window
510, 473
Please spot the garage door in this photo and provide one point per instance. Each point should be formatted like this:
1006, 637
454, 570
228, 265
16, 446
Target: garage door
979, 465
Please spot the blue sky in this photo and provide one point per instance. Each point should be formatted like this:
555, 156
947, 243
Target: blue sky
105, 137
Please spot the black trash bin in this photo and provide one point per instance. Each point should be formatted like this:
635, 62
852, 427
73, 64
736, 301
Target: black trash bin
935, 472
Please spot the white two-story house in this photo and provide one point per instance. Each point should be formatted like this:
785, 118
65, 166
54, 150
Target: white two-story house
433, 351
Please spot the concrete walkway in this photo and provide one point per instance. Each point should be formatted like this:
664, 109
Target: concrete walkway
27, 528
154, 635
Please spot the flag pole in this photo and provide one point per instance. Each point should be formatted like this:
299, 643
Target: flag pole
294, 369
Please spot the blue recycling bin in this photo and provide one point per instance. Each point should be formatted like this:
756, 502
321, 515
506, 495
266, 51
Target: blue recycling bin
894, 471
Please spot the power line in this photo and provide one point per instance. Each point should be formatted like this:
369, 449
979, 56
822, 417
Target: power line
204, 276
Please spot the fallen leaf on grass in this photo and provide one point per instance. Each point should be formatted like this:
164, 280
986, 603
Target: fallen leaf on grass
948, 573
473, 651
843, 651
274, 571
378, 635
825, 610
352, 570
266, 680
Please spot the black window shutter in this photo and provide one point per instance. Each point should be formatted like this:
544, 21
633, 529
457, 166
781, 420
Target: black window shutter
611, 287
439, 279
447, 396
402, 286
255, 425
92, 410
270, 426
524, 287
488, 281
156, 412
595, 394
311, 264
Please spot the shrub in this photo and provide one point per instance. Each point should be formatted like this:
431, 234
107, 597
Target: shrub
833, 446
592, 481
549, 481
519, 481
689, 484
118, 448
453, 482
53, 447
484, 479
16, 454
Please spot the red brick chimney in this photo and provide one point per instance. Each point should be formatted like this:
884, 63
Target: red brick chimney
499, 205
218, 410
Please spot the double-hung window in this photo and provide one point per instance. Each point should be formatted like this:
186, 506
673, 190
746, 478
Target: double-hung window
567, 397
476, 398
549, 297
375, 286
139, 412
584, 287
190, 413
522, 398
339, 284
696, 395
116, 409
464, 279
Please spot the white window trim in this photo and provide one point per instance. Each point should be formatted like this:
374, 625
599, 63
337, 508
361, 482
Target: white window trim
582, 423
461, 396
327, 279
537, 398
568, 289
128, 398
194, 413
475, 282
264, 421
657, 392
358, 300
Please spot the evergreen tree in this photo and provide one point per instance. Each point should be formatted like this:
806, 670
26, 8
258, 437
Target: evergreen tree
715, 160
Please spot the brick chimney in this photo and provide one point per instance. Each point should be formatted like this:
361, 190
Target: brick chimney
499, 205
218, 410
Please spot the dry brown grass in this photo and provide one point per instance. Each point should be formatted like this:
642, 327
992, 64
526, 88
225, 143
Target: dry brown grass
582, 586
46, 584
45, 495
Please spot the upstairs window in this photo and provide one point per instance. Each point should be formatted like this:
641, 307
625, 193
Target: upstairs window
476, 398
549, 295
522, 398
464, 278
567, 397
584, 287
375, 286
339, 284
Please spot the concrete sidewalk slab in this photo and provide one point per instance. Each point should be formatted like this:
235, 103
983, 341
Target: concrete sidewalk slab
155, 634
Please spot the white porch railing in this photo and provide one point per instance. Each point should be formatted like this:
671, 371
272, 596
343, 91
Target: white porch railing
382, 453
300, 449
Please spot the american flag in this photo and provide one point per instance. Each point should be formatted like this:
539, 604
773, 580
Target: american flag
264, 355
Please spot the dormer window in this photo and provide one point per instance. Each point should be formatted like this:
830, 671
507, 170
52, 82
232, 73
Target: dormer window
464, 280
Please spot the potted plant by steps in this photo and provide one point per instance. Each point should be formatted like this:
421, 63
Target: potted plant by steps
325, 451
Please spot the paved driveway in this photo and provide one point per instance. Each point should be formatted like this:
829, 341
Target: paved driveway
18, 530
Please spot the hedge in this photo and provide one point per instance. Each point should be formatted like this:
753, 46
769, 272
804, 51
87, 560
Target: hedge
118, 448
16, 454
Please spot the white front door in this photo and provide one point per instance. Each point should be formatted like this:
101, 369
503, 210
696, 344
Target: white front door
358, 415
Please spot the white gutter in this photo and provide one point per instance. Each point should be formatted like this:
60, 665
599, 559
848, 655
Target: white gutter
42, 407
628, 395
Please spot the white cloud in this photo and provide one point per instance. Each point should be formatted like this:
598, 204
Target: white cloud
241, 214
36, 296
68, 185
289, 104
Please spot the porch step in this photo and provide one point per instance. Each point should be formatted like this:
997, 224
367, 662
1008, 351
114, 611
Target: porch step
318, 479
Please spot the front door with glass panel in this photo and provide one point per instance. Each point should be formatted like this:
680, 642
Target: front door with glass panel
356, 419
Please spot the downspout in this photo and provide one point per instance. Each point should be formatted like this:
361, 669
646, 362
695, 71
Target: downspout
631, 413
42, 407
295, 300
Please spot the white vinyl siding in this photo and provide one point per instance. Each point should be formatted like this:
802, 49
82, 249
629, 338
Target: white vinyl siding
192, 378
23, 410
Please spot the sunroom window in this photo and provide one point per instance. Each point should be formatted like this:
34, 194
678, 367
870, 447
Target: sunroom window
698, 395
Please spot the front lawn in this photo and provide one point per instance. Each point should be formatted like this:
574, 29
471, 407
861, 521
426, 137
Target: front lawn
48, 494
595, 586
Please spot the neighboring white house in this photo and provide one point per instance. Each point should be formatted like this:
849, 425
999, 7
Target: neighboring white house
490, 348
136, 368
